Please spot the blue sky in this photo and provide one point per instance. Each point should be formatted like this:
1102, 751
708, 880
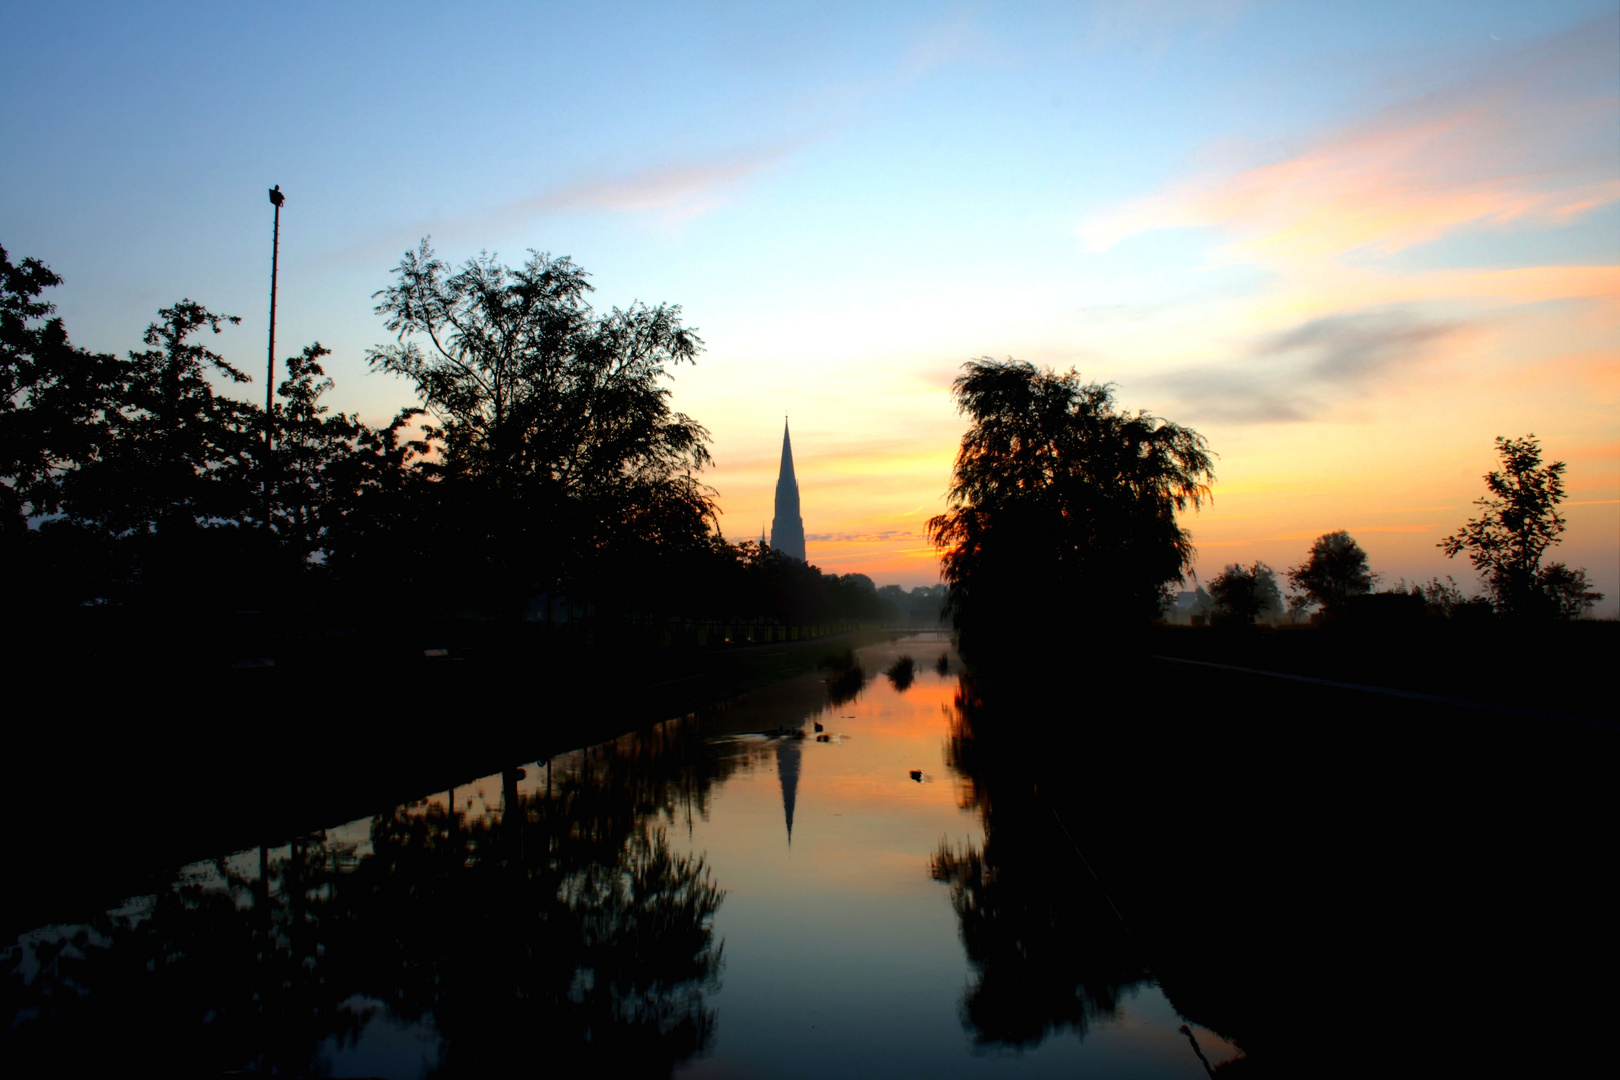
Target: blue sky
1349, 243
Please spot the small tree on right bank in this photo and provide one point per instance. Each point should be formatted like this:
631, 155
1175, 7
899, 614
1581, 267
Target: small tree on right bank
1520, 521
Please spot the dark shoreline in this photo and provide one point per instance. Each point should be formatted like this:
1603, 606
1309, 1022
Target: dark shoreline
146, 765
1280, 850
1303, 864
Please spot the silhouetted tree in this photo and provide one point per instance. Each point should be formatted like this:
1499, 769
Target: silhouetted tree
171, 473
1246, 593
1060, 506
1335, 570
1519, 523
312, 445
51, 395
1568, 592
556, 424
179, 456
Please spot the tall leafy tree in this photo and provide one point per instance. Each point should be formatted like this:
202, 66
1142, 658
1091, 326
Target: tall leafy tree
160, 499
1334, 571
1519, 523
1061, 506
382, 517
51, 395
555, 418
178, 456
312, 487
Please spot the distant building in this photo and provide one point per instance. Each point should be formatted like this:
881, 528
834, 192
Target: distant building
787, 528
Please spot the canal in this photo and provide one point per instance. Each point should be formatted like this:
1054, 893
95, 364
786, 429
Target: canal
806, 881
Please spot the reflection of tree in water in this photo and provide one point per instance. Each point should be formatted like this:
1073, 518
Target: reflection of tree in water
1048, 950
561, 929
846, 678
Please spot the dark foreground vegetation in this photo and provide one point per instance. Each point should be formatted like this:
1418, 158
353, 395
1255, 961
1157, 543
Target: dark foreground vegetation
1340, 883
1062, 531
239, 757
253, 624
563, 926
258, 621
1371, 840
546, 482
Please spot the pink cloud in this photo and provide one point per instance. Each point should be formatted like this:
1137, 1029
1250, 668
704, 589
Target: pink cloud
675, 192
1530, 142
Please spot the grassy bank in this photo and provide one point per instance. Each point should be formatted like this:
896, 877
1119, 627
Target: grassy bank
1554, 667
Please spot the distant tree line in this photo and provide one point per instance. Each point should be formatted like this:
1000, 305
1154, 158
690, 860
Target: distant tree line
922, 606
1062, 520
546, 471
1506, 545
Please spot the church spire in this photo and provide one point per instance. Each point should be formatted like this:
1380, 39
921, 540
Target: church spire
787, 529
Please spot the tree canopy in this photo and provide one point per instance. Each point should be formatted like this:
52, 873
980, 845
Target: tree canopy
50, 394
551, 467
1062, 507
1334, 571
1519, 523
554, 418
1244, 594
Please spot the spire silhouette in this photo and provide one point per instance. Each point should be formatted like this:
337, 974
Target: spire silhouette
787, 528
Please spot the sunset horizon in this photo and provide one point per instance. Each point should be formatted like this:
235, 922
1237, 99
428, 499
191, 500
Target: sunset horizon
1349, 247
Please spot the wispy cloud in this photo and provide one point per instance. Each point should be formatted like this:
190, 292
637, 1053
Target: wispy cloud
884, 537
1297, 374
1531, 143
1311, 534
956, 38
1155, 22
1528, 142
667, 194
675, 192
670, 193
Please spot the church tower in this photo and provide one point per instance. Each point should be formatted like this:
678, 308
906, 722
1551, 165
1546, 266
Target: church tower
787, 529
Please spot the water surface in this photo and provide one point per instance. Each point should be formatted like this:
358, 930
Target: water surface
800, 883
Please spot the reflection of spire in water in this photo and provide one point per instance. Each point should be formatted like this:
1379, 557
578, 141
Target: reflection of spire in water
787, 769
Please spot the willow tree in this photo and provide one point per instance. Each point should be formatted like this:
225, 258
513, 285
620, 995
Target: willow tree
1062, 508
555, 418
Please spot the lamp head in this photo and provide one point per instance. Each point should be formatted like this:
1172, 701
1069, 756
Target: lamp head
276, 197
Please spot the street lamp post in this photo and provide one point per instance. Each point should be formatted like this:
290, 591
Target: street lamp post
276, 199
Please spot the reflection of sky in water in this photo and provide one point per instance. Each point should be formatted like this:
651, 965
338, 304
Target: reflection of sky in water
383, 1046
842, 954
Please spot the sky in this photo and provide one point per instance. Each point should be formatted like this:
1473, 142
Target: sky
1350, 244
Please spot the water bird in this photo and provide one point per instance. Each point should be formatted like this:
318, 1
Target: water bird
819, 727
916, 774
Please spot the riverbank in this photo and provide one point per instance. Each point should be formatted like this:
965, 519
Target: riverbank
1331, 877
125, 766
1554, 668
